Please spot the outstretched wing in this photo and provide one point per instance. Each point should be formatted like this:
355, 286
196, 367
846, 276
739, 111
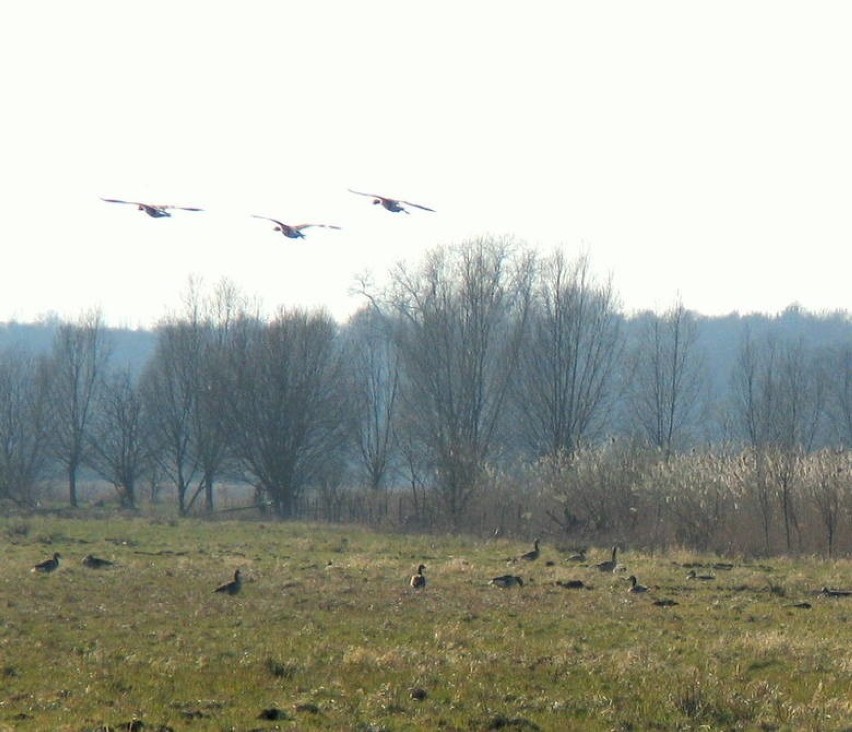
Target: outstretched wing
181, 208
417, 205
319, 226
118, 200
371, 195
274, 221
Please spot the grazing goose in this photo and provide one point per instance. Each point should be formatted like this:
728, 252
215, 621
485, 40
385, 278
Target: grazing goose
392, 204
609, 565
294, 232
665, 602
634, 585
48, 565
580, 556
692, 575
418, 581
574, 584
507, 580
531, 555
154, 210
232, 587
835, 593
93, 562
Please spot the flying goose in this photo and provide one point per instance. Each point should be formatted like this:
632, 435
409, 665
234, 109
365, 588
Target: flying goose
418, 581
154, 210
232, 587
507, 580
93, 562
48, 565
294, 232
609, 565
392, 204
692, 575
634, 585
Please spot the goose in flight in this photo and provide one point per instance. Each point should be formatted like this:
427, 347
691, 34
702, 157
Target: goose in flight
232, 587
418, 581
154, 210
392, 204
294, 232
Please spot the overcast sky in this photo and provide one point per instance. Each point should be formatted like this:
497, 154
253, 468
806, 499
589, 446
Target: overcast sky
699, 151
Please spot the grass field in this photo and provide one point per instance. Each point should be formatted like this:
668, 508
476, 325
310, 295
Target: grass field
327, 634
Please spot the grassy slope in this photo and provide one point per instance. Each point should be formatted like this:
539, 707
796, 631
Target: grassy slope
327, 631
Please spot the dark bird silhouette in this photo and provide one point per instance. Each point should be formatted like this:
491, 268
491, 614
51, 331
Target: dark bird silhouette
294, 232
232, 587
531, 555
574, 584
48, 565
634, 585
579, 556
392, 204
693, 575
610, 564
93, 562
156, 211
665, 602
507, 580
418, 581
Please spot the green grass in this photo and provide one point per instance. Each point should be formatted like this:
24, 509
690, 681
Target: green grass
327, 632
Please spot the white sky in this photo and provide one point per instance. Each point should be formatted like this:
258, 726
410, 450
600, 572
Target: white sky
693, 150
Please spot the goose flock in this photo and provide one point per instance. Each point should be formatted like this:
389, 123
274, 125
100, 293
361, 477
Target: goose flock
417, 581
291, 231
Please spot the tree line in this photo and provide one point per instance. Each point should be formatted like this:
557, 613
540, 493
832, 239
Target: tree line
483, 364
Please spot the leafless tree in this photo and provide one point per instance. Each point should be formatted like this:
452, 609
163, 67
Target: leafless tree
778, 399
840, 395
373, 367
119, 446
667, 379
459, 320
79, 358
572, 346
285, 390
24, 424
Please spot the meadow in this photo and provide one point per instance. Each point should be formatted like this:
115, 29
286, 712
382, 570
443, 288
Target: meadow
327, 634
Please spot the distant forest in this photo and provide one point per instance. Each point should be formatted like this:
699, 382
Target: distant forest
484, 388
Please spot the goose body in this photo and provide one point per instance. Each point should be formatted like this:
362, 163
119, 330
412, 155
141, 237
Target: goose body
156, 211
531, 555
418, 581
48, 565
232, 587
693, 575
294, 231
93, 562
507, 580
635, 586
610, 564
394, 205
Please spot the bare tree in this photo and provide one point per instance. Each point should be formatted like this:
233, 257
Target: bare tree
667, 379
778, 399
79, 358
571, 349
840, 391
284, 396
459, 319
24, 425
119, 446
373, 366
